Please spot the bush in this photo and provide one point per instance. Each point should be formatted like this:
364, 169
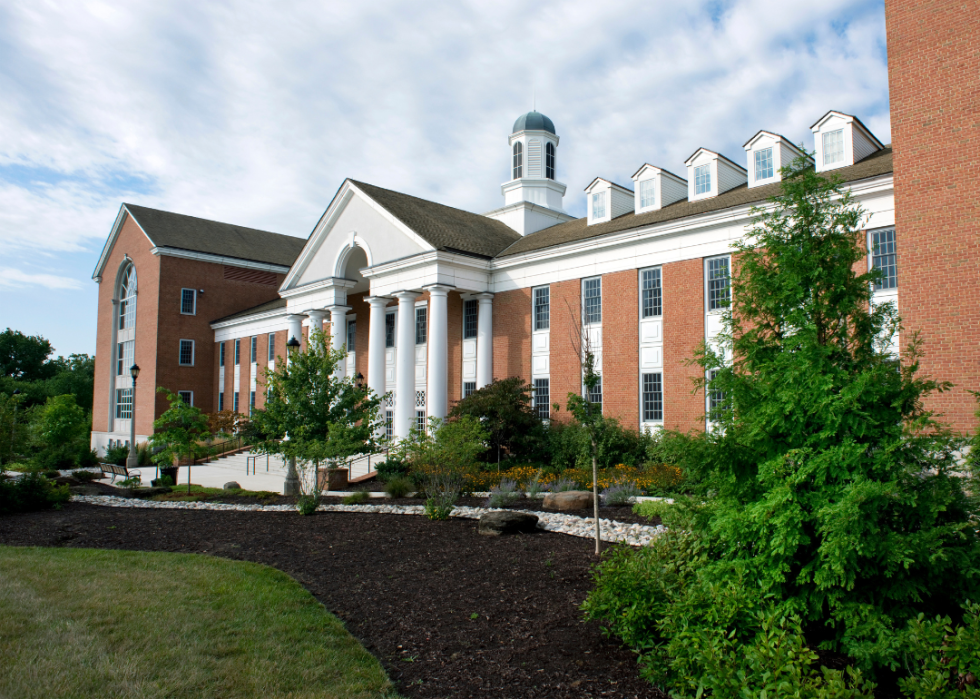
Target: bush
131, 482
357, 498
307, 504
31, 492
117, 454
504, 409
621, 494
504, 494
563, 485
398, 487
165, 482
85, 476
51, 475
61, 432
438, 508
390, 468
570, 446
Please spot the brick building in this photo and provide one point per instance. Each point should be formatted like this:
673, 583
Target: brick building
433, 302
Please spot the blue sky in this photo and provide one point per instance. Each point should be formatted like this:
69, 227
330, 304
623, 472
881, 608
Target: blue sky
254, 113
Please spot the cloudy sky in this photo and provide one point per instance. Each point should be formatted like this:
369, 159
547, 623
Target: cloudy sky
255, 112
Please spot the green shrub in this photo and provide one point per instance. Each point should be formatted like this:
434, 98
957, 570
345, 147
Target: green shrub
398, 487
307, 504
51, 475
117, 454
504, 409
85, 476
61, 433
570, 446
165, 482
131, 482
438, 508
31, 492
357, 498
943, 660
390, 468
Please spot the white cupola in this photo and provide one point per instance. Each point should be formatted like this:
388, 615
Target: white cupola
710, 174
532, 197
656, 188
842, 140
607, 200
767, 152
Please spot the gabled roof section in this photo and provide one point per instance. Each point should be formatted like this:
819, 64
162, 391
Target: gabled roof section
761, 132
267, 307
717, 155
655, 167
610, 183
879, 163
858, 122
165, 229
444, 227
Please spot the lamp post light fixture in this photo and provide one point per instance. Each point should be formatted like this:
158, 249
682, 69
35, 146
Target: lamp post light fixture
359, 379
132, 461
291, 485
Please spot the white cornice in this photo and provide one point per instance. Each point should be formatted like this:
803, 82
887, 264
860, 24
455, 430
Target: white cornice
425, 259
219, 259
329, 282
250, 318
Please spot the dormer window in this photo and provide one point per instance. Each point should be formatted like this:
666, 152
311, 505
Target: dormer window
518, 160
599, 205
833, 147
702, 179
549, 161
648, 193
763, 164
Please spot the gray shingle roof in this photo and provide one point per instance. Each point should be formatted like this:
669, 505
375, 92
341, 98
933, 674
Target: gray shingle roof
444, 227
879, 163
171, 230
255, 310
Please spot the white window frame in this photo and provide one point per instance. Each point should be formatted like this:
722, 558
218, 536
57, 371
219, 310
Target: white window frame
707, 283
585, 314
272, 348
827, 152
598, 204
772, 164
180, 352
193, 311
534, 308
702, 179
190, 397
648, 193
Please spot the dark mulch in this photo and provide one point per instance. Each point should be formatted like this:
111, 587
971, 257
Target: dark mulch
448, 612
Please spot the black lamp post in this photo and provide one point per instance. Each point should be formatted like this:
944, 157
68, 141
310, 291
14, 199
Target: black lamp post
13, 427
132, 461
291, 485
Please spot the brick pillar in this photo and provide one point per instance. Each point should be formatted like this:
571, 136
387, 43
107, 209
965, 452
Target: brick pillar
620, 347
683, 284
934, 85
566, 366
512, 334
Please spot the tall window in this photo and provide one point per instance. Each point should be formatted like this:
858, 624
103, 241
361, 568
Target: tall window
221, 401
421, 327
124, 403
186, 353
236, 401
763, 164
653, 397
471, 310
518, 161
389, 329
883, 257
598, 204
221, 354
719, 283
549, 161
702, 179
652, 293
251, 402
542, 308
593, 300
833, 147
124, 357
186, 396
127, 299
716, 398
238, 352
254, 356
272, 347
188, 301
648, 193
351, 334
542, 398
469, 387
595, 394
389, 424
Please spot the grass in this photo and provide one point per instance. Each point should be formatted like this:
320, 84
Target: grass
94, 623
179, 493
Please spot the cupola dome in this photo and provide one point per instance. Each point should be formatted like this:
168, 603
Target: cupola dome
533, 121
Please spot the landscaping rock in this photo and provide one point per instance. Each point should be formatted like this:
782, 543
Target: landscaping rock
497, 523
231, 485
569, 500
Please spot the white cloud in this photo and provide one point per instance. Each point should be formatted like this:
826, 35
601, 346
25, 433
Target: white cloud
14, 278
254, 113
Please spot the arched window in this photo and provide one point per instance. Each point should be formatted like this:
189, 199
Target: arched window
518, 160
127, 298
549, 161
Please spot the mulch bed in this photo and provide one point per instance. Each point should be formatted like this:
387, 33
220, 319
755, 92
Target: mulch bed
448, 612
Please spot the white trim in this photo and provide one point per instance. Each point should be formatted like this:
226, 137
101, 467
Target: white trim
191, 404
111, 241
180, 345
219, 259
193, 311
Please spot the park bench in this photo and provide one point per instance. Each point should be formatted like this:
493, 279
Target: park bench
119, 471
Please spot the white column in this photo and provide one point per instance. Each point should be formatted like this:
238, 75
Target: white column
437, 386
338, 336
376, 344
405, 364
295, 330
316, 319
484, 341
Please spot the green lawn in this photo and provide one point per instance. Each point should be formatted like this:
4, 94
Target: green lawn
93, 623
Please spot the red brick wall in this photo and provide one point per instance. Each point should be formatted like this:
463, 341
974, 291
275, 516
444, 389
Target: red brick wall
512, 334
683, 308
934, 85
132, 242
566, 367
620, 347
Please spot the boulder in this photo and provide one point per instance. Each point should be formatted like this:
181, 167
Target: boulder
569, 500
504, 522
231, 485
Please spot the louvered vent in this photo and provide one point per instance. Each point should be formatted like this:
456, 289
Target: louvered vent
251, 276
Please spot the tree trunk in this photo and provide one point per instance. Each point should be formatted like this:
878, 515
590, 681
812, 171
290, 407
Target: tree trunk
595, 496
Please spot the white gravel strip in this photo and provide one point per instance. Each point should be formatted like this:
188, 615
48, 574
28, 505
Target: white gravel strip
612, 531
